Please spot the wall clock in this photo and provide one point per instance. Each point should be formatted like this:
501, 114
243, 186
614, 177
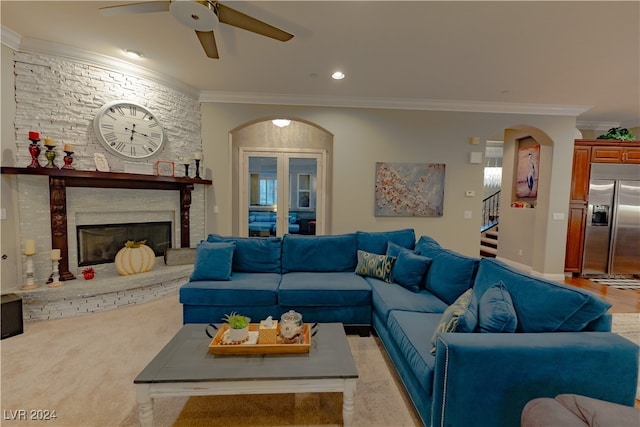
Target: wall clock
129, 130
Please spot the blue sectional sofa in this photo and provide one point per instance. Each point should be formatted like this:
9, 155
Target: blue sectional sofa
472, 340
264, 223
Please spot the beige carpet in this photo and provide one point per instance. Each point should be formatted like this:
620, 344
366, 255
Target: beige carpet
83, 369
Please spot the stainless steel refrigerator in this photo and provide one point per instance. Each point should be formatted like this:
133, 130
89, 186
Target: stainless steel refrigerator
612, 232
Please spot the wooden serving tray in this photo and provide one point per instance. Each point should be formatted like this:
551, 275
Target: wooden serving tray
217, 346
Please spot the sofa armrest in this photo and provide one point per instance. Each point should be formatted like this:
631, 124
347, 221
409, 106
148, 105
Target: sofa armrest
486, 379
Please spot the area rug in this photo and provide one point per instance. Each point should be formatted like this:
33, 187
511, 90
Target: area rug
619, 283
379, 401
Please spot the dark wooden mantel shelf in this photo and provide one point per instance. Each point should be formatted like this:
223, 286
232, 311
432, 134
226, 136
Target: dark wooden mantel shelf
60, 179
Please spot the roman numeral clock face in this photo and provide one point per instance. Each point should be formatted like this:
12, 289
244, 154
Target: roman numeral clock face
129, 130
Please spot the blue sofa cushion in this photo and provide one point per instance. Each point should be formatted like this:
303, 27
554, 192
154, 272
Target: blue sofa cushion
319, 253
426, 243
254, 254
244, 289
461, 316
376, 242
386, 297
331, 289
541, 305
450, 273
410, 331
496, 312
410, 270
374, 265
213, 261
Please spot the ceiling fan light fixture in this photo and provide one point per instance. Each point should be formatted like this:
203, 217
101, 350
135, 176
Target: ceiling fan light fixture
281, 123
197, 15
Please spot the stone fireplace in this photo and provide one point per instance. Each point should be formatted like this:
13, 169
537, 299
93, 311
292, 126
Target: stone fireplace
91, 205
99, 244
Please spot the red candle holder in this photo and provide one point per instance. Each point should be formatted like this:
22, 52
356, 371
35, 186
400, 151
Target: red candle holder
68, 159
34, 150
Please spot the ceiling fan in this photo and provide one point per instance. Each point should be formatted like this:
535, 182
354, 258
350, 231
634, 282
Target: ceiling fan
201, 16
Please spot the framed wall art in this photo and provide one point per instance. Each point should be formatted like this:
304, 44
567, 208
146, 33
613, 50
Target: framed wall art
409, 189
527, 171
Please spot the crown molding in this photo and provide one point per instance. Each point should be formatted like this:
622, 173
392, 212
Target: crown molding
10, 38
36, 46
587, 125
393, 103
28, 45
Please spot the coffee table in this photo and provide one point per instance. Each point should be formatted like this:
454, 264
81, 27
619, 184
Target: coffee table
185, 367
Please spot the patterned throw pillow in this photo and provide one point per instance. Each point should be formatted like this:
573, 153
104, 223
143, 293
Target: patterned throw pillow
461, 316
374, 265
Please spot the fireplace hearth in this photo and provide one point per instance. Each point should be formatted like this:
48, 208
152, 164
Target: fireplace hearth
99, 244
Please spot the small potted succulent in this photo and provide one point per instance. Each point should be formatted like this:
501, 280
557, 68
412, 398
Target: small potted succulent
88, 273
238, 326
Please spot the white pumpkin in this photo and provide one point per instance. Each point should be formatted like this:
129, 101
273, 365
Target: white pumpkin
134, 258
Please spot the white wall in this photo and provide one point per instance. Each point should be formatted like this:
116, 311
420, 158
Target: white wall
363, 137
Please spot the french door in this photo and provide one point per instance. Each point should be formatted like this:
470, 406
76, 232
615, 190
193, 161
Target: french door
282, 192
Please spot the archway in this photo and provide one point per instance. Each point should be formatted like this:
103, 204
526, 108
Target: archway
300, 139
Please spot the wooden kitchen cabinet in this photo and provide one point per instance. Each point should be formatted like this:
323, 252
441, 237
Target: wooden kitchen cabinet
580, 174
575, 238
608, 154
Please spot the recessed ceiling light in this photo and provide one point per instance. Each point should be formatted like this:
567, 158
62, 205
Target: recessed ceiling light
338, 75
281, 122
132, 54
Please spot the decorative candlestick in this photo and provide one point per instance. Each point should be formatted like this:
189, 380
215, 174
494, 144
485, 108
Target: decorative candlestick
197, 168
186, 162
49, 154
68, 159
29, 252
54, 279
34, 149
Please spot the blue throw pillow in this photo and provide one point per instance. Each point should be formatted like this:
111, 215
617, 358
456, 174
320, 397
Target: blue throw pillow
410, 269
496, 311
376, 242
461, 316
375, 265
213, 261
450, 273
254, 254
425, 243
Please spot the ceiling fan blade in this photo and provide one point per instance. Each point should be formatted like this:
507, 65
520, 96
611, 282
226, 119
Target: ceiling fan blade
238, 19
146, 7
208, 42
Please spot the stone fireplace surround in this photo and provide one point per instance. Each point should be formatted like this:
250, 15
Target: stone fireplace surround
87, 206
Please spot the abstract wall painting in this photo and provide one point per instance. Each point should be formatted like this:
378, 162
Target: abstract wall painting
409, 189
528, 171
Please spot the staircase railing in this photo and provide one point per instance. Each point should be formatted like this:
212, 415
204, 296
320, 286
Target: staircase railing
490, 212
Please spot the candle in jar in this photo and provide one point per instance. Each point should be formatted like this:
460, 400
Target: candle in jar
29, 247
197, 156
50, 142
34, 135
55, 254
68, 147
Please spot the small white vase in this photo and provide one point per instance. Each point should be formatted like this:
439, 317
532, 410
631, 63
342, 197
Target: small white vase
239, 335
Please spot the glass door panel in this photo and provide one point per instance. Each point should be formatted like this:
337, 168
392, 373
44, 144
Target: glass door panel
282, 192
262, 195
303, 176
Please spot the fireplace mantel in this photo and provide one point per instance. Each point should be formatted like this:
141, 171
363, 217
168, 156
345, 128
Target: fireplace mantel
60, 179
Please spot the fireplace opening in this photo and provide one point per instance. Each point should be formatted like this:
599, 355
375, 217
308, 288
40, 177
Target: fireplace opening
99, 244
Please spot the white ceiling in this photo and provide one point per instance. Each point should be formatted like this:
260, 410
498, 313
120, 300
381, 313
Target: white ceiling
545, 57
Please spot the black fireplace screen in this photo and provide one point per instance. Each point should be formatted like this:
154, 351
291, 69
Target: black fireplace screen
99, 244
